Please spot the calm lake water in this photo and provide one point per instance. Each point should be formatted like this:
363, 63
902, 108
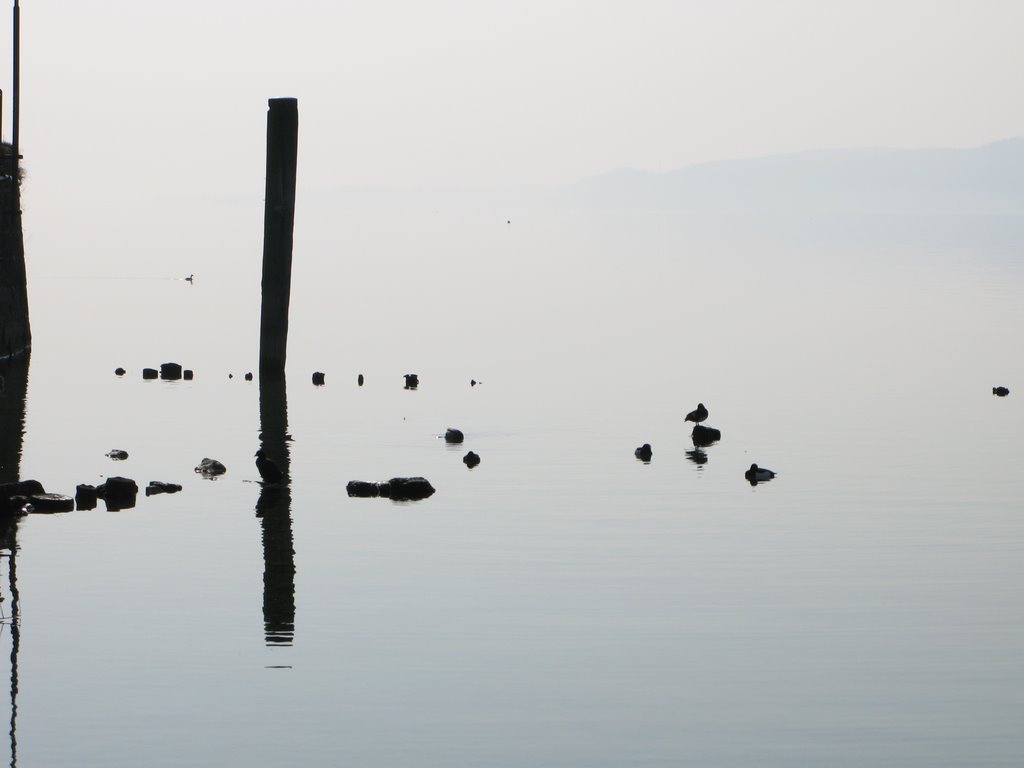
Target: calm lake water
562, 604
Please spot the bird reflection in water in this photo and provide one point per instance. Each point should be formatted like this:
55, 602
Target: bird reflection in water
697, 456
273, 508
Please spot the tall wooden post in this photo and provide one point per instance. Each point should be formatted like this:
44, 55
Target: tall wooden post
16, 100
278, 226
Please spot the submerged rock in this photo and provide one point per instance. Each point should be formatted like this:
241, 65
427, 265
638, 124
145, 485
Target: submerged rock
470, 459
117, 454
319, 378
118, 493
86, 496
453, 435
407, 489
155, 487
644, 452
119, 371
51, 502
150, 373
704, 436
396, 489
362, 489
1000, 391
187, 374
170, 371
359, 380
211, 468
248, 376
13, 495
411, 381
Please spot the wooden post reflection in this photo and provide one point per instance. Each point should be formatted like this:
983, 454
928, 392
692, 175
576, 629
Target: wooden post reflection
274, 510
13, 390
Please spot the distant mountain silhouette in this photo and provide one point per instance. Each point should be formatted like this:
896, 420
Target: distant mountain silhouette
986, 179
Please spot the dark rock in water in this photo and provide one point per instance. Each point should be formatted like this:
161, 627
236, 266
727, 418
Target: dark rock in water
155, 487
211, 468
22, 488
231, 375
150, 373
470, 459
362, 489
318, 378
118, 493
170, 371
704, 436
406, 489
51, 502
411, 381
117, 454
248, 376
13, 495
268, 469
473, 382
119, 371
360, 380
85, 496
187, 374
1000, 391
644, 452
453, 436
396, 489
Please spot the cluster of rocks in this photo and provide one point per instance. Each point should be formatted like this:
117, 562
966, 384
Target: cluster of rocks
167, 372
409, 488
117, 493
174, 372
29, 496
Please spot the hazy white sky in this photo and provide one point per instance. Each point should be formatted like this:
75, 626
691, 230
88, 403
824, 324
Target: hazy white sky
460, 92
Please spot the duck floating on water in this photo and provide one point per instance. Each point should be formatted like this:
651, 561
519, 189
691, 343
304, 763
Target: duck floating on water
758, 474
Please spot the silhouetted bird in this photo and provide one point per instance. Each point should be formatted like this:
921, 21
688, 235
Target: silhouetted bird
644, 452
268, 470
698, 415
758, 474
1000, 391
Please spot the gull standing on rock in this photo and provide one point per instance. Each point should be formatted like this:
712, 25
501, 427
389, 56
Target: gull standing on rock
698, 415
